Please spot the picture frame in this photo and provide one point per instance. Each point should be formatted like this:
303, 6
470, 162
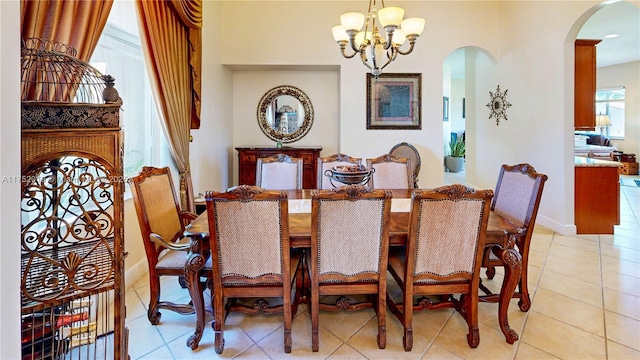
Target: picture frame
445, 108
394, 101
464, 108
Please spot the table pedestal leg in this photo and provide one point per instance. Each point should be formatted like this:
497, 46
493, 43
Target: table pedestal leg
193, 265
512, 270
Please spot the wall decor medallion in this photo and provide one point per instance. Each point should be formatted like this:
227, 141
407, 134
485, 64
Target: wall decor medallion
498, 105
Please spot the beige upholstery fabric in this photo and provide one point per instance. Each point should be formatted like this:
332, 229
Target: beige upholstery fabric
171, 259
407, 151
160, 205
246, 232
514, 196
279, 176
349, 230
390, 175
457, 223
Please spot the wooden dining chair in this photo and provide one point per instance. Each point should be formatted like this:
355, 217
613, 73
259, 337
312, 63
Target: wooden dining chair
250, 255
328, 163
517, 198
349, 249
279, 172
442, 257
390, 172
162, 224
408, 151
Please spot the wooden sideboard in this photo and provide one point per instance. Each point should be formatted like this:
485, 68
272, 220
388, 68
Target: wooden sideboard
249, 155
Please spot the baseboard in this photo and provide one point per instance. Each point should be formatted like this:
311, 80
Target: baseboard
562, 229
135, 272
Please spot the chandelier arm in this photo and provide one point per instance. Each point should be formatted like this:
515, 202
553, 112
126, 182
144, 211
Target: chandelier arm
393, 55
389, 31
352, 40
411, 43
387, 63
343, 49
363, 57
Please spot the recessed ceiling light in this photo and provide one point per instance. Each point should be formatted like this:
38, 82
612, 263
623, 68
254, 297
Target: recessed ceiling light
610, 36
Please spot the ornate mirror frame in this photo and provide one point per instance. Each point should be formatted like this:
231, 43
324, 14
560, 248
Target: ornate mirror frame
268, 99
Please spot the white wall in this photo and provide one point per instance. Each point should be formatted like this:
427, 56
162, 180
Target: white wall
9, 190
212, 148
250, 86
526, 47
311, 44
627, 75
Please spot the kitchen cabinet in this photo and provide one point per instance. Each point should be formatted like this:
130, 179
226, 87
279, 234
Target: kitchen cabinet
585, 84
597, 195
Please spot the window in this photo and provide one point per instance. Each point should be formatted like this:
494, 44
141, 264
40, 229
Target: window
611, 102
120, 55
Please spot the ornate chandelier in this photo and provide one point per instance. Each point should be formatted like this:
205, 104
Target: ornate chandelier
377, 51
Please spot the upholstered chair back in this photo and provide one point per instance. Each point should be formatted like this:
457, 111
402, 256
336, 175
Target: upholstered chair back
449, 233
247, 233
351, 232
328, 163
390, 173
279, 172
157, 204
408, 151
518, 193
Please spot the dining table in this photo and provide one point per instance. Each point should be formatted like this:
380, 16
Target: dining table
501, 235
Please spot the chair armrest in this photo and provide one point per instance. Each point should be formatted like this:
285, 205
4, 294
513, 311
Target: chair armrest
187, 217
512, 235
172, 246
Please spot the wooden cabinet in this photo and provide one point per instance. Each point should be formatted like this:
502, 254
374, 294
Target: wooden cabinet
597, 197
585, 84
249, 155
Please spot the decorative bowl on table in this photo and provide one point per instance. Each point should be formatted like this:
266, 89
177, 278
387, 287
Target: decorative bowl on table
349, 174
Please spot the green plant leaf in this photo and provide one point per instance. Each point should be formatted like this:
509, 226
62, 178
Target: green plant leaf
457, 148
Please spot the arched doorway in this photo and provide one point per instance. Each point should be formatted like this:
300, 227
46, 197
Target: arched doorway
459, 104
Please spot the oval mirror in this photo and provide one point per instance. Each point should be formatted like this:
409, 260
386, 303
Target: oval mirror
285, 114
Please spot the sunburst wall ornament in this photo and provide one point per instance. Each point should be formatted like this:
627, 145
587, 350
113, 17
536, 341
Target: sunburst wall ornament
498, 105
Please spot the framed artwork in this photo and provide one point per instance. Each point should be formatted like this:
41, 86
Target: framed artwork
445, 108
394, 102
464, 108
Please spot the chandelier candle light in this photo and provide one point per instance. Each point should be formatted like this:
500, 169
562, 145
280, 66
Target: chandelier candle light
377, 51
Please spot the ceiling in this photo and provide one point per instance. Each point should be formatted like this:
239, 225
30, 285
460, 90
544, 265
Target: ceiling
622, 18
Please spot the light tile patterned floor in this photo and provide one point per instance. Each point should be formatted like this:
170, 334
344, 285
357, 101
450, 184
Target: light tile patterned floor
586, 305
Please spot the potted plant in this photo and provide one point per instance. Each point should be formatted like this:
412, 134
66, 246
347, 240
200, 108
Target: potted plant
455, 160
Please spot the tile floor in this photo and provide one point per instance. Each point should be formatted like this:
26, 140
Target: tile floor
586, 305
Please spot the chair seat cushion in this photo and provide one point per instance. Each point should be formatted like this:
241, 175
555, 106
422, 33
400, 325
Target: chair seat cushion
172, 259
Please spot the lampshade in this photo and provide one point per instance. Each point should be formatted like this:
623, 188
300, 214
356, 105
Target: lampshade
399, 37
339, 34
360, 37
352, 20
391, 15
603, 120
413, 26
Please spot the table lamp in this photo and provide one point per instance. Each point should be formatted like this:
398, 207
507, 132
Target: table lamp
602, 121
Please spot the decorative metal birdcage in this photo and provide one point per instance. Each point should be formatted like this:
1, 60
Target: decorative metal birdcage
72, 255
